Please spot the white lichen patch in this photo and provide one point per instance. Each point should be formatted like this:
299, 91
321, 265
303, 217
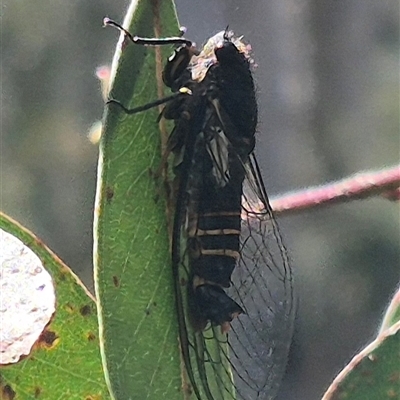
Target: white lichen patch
27, 298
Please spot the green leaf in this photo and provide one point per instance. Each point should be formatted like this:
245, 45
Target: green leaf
374, 373
65, 362
133, 277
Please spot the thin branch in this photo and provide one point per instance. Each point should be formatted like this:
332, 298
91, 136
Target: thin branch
385, 183
368, 356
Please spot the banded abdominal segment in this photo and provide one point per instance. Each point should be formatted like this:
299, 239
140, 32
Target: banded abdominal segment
213, 242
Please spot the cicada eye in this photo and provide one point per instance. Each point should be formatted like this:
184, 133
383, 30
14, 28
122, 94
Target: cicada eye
176, 65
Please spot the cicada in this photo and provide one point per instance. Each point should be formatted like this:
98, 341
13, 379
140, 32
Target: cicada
233, 281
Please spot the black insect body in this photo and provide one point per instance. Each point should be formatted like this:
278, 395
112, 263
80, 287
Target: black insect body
213, 186
233, 282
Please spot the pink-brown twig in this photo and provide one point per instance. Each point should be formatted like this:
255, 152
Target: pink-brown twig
385, 183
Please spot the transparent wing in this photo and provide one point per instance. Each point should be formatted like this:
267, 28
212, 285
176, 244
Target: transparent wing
247, 362
262, 283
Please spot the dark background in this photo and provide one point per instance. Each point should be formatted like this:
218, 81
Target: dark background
328, 90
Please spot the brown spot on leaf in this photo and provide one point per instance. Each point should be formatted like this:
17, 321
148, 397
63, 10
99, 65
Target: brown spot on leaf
187, 389
48, 339
109, 194
37, 392
7, 393
394, 377
70, 308
62, 276
85, 310
116, 281
366, 373
38, 242
149, 308
91, 336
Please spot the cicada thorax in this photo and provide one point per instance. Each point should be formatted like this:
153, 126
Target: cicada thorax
236, 97
222, 73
